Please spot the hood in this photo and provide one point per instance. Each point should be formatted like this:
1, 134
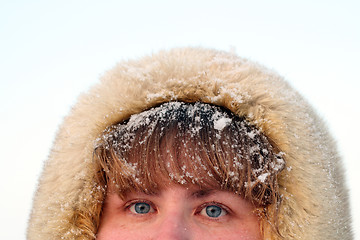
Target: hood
314, 199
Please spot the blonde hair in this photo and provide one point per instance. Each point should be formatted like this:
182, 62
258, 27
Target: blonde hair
191, 143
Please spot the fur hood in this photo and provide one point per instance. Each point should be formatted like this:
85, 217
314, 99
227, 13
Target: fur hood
315, 200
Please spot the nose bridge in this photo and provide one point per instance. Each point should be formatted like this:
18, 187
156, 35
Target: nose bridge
175, 226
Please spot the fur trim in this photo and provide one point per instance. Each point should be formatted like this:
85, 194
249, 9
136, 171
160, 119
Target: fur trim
315, 201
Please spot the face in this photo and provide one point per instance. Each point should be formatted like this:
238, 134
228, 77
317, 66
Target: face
178, 212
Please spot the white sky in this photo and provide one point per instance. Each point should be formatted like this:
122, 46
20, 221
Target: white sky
51, 51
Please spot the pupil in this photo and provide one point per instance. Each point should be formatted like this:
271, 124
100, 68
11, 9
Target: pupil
142, 208
213, 211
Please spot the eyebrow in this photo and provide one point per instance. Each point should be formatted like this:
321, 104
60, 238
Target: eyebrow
198, 194
202, 193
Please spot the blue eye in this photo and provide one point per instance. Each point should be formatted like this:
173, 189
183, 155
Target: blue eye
213, 211
141, 208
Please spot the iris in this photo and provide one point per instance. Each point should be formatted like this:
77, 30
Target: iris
142, 208
213, 211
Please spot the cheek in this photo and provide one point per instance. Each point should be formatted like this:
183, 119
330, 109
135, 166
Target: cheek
245, 232
248, 229
114, 230
112, 225
230, 234
116, 225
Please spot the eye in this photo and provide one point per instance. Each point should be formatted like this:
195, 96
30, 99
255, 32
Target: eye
141, 208
213, 211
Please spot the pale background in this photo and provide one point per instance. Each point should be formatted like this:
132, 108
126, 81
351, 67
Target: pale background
51, 51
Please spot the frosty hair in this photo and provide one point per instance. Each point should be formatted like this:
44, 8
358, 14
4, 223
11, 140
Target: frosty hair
190, 143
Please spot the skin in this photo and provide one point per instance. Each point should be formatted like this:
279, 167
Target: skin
179, 213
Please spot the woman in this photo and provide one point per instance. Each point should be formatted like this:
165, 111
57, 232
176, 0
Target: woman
191, 144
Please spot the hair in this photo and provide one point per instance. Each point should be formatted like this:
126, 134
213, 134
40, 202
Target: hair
191, 143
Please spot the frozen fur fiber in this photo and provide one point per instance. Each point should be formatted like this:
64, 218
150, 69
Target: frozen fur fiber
315, 200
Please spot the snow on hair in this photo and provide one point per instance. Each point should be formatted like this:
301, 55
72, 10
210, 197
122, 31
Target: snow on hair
190, 143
